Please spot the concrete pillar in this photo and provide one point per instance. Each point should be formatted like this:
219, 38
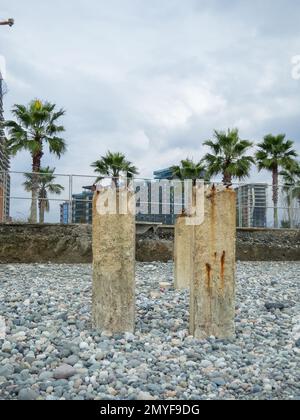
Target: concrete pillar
183, 249
113, 263
212, 305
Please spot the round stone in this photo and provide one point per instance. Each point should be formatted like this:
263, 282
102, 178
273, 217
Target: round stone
64, 372
27, 394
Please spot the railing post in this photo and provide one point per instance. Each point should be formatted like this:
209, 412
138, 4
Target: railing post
1, 198
240, 206
291, 209
70, 199
4, 197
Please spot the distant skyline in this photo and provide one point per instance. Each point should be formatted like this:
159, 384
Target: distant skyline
154, 79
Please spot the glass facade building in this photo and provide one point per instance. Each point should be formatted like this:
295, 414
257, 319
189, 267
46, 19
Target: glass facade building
252, 205
4, 166
81, 212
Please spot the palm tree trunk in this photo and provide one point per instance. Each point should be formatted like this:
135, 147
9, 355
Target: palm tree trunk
116, 181
33, 208
36, 166
41, 211
275, 196
227, 178
42, 214
291, 217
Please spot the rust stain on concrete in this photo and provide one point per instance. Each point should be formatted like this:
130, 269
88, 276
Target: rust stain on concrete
208, 277
223, 270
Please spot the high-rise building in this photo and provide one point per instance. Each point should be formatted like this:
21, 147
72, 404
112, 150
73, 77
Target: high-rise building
165, 200
252, 205
64, 213
164, 174
82, 208
4, 165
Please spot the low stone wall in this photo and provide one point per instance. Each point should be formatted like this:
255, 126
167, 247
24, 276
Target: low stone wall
268, 245
24, 243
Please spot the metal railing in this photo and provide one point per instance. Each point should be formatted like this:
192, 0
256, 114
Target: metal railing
255, 207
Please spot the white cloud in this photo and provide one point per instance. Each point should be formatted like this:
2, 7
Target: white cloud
170, 103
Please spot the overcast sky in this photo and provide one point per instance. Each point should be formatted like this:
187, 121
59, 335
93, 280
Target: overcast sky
154, 78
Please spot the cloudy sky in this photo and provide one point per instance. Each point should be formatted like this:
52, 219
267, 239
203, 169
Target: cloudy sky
154, 78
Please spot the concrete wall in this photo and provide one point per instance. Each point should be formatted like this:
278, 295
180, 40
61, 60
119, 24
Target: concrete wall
42, 243
22, 243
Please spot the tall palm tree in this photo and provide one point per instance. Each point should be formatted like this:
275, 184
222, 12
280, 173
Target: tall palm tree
189, 170
291, 188
275, 153
228, 157
34, 126
114, 165
46, 186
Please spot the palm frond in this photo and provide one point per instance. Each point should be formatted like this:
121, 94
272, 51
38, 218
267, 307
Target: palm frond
227, 156
275, 151
114, 165
33, 126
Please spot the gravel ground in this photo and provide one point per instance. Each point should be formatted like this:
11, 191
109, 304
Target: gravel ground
50, 351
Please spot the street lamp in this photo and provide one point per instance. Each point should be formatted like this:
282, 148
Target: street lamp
9, 22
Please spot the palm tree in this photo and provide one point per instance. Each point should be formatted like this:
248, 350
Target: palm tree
275, 153
291, 188
46, 185
35, 126
114, 165
228, 157
189, 170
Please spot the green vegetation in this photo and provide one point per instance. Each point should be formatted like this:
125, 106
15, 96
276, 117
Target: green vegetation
275, 153
228, 156
35, 126
114, 165
189, 170
45, 182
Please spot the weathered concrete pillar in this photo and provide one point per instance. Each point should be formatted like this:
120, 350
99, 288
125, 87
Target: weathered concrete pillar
212, 305
183, 251
113, 263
